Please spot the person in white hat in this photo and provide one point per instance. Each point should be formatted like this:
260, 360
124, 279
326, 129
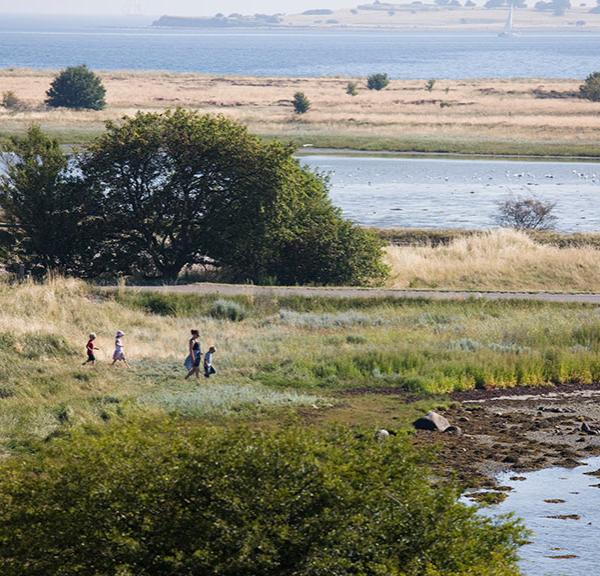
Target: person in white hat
119, 354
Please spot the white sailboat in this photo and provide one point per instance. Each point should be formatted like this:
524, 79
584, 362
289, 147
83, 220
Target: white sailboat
508, 27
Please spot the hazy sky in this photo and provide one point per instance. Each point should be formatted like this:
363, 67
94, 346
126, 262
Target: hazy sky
183, 7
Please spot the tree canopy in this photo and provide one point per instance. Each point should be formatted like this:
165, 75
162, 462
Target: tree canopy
49, 217
170, 499
162, 191
76, 87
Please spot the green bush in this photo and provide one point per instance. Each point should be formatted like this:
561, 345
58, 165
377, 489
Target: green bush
301, 103
377, 81
590, 89
228, 310
351, 89
168, 500
77, 87
50, 216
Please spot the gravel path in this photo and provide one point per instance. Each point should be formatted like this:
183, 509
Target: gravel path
247, 290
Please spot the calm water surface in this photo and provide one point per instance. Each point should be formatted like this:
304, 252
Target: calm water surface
110, 44
554, 537
444, 193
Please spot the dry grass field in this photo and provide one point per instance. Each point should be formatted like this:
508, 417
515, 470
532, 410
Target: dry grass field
498, 260
471, 116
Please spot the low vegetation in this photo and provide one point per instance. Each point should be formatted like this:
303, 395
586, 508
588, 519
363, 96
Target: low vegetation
530, 117
499, 260
280, 352
10, 101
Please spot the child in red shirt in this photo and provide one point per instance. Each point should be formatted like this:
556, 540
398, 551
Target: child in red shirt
89, 348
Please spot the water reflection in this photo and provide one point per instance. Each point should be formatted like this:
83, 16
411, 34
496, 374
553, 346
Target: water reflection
561, 507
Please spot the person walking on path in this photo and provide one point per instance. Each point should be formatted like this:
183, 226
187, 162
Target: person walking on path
119, 353
209, 369
192, 362
90, 348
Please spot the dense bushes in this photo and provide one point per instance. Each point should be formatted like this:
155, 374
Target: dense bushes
163, 499
590, 89
51, 218
159, 192
77, 87
377, 81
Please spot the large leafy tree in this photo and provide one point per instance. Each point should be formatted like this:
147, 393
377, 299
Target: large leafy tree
182, 188
165, 178
48, 216
77, 87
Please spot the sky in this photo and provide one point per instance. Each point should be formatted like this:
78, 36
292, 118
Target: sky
174, 7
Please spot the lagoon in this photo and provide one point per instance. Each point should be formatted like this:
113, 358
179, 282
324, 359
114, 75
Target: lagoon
457, 193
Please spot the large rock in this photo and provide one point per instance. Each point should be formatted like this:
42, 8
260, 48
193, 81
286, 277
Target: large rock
432, 421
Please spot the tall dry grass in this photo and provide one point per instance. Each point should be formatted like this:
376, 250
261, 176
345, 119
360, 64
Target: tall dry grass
496, 260
480, 110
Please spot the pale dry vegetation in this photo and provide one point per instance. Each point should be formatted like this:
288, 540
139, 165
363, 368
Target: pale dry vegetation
478, 113
497, 260
45, 389
477, 18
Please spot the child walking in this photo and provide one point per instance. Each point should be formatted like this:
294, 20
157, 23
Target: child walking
90, 348
209, 369
119, 354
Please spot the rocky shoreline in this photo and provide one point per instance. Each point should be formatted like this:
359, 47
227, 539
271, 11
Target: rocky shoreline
517, 430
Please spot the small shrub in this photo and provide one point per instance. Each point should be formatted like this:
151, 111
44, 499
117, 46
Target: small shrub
590, 89
7, 341
10, 101
77, 87
377, 81
429, 85
64, 414
526, 214
352, 88
355, 339
301, 103
228, 310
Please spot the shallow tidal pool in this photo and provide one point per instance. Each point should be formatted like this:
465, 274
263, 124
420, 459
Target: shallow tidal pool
562, 509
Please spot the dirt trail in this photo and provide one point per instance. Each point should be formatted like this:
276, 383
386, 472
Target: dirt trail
339, 292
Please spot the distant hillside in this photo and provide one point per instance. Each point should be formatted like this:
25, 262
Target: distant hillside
219, 21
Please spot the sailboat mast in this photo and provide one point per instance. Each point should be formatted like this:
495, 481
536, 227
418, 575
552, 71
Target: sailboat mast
508, 29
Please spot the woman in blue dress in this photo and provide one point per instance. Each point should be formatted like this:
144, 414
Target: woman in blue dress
194, 359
